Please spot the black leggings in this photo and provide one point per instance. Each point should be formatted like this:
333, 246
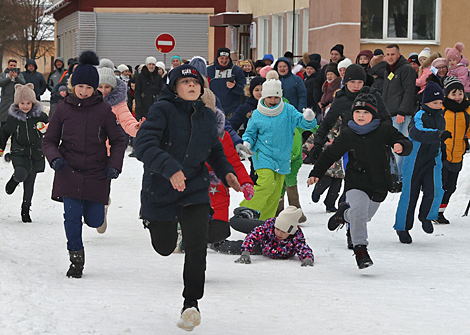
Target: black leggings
28, 179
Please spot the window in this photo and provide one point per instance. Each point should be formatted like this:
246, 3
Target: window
399, 20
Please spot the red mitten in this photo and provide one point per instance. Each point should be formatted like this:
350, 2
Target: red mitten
248, 191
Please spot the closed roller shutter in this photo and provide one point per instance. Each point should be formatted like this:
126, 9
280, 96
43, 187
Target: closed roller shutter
130, 37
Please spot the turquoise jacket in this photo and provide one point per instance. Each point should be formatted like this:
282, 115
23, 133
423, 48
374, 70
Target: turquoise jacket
271, 138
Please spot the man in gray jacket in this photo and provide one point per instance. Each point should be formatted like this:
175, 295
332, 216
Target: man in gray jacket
8, 79
398, 92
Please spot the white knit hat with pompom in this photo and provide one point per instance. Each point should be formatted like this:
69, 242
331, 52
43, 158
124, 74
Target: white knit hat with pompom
272, 87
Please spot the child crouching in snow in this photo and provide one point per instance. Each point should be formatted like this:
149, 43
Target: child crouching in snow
367, 176
26, 126
277, 238
270, 135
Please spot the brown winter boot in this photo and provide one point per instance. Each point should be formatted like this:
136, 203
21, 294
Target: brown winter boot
102, 229
280, 207
293, 197
77, 259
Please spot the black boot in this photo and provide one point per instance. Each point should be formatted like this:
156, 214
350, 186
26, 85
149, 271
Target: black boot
404, 236
77, 259
349, 239
337, 220
362, 257
441, 219
25, 212
10, 187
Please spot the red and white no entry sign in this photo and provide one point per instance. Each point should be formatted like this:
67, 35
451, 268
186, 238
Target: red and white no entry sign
165, 43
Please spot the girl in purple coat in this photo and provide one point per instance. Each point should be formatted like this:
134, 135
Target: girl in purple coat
75, 146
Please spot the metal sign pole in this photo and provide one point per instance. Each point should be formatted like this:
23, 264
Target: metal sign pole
164, 60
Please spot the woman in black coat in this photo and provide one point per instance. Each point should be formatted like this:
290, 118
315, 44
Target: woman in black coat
147, 86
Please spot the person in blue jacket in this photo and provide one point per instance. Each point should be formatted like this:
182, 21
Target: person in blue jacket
227, 81
293, 87
422, 169
31, 75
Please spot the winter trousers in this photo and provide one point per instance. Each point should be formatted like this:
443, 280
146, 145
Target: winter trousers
360, 212
449, 184
268, 191
28, 180
333, 185
429, 180
242, 225
218, 231
194, 228
74, 210
402, 128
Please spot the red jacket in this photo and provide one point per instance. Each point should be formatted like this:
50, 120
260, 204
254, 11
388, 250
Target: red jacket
219, 194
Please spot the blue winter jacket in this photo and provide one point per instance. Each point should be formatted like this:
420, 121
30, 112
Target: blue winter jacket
36, 78
272, 137
218, 76
293, 88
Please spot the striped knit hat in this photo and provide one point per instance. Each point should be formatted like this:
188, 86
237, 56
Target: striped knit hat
366, 101
451, 83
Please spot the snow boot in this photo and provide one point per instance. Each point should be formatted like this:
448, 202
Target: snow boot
102, 229
77, 259
441, 219
404, 236
427, 226
337, 220
246, 213
362, 257
293, 198
349, 239
190, 316
10, 187
25, 217
280, 207
331, 209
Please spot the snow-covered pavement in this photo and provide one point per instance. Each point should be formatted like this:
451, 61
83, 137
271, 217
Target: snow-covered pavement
421, 288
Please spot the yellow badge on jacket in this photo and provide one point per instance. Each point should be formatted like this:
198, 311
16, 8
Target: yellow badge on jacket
391, 75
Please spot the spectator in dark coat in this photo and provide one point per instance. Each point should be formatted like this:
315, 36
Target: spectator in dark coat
8, 79
311, 72
293, 88
36, 78
377, 69
147, 86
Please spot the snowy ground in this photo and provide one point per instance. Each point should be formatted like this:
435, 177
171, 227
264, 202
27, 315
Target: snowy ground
422, 288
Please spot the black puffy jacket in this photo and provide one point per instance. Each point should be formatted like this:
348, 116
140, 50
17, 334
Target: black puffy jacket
147, 87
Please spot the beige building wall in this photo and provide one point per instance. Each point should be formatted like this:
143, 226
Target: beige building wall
267, 7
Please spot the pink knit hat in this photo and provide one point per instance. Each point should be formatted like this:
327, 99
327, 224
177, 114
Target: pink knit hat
264, 71
440, 61
455, 52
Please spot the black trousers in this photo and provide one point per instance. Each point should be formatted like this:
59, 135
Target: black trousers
194, 227
449, 183
28, 179
333, 185
244, 226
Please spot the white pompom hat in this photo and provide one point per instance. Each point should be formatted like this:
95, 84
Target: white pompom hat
272, 87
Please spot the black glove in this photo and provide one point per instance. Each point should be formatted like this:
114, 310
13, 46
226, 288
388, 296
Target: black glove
58, 164
111, 173
307, 262
244, 258
315, 153
444, 135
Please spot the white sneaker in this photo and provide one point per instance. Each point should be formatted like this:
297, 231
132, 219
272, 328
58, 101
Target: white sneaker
190, 318
102, 229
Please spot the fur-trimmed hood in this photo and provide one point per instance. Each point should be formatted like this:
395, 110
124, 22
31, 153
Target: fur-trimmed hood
20, 115
118, 94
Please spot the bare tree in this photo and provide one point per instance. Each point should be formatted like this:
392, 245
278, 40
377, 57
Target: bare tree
34, 30
9, 25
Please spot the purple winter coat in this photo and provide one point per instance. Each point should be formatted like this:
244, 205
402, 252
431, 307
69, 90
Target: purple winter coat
78, 132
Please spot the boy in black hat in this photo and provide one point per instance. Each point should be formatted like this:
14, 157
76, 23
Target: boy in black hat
175, 141
367, 179
422, 168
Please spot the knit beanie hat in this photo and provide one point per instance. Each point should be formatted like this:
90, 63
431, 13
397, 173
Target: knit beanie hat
264, 71
339, 48
332, 67
451, 83
200, 64
432, 92
378, 52
62, 88
259, 63
413, 59
314, 64
150, 60
122, 68
223, 52
344, 63
268, 56
86, 72
177, 57
24, 93
287, 220
107, 76
354, 72
426, 52
184, 71
439, 62
161, 65
366, 101
256, 81
272, 87
455, 52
